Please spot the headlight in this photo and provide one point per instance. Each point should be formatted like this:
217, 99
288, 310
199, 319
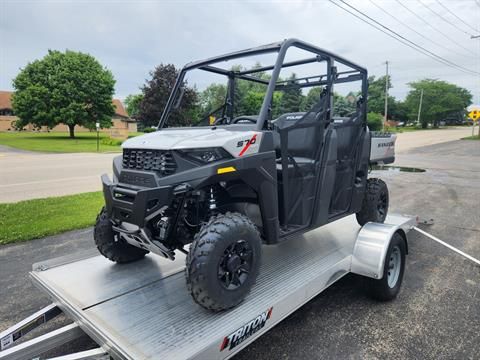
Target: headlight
206, 155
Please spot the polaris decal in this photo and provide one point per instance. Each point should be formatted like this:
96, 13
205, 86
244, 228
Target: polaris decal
247, 330
246, 144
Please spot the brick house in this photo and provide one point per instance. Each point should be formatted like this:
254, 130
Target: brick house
122, 124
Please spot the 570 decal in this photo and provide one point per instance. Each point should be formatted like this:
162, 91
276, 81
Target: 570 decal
247, 330
246, 144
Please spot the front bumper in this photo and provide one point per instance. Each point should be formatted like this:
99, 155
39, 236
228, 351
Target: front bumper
134, 206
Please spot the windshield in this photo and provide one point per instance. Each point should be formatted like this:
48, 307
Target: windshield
205, 98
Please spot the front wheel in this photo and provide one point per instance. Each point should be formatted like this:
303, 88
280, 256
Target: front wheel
388, 287
110, 245
223, 261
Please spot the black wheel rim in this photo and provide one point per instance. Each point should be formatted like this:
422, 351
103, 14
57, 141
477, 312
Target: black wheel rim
382, 205
235, 265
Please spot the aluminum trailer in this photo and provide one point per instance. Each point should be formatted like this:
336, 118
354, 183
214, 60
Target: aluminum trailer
143, 311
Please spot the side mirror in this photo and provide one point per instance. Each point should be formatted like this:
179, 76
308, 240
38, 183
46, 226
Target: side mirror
179, 98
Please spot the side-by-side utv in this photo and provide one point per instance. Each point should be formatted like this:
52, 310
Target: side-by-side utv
229, 181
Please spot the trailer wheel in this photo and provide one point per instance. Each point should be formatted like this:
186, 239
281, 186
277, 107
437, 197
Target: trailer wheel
388, 287
375, 203
110, 245
223, 261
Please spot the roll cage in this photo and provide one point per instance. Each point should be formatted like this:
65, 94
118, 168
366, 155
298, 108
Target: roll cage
354, 72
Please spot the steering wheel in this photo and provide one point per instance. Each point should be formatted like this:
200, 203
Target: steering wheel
248, 118
219, 120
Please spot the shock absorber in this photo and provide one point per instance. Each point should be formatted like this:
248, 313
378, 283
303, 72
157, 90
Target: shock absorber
212, 201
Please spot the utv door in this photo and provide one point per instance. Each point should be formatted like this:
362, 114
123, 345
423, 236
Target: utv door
350, 132
300, 140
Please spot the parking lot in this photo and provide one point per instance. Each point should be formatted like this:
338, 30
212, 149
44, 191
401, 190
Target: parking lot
436, 316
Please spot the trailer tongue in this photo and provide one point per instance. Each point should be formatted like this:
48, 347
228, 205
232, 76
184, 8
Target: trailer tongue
143, 311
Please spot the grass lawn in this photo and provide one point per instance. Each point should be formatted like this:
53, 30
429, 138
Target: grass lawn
474, 137
31, 219
56, 142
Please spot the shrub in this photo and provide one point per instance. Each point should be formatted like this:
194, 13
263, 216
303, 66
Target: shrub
110, 141
149, 129
374, 121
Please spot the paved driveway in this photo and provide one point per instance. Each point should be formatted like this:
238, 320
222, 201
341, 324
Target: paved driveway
29, 175
415, 139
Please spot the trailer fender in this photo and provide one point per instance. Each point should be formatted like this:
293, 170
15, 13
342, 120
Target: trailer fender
371, 247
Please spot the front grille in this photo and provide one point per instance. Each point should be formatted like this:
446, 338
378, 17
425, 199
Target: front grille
159, 161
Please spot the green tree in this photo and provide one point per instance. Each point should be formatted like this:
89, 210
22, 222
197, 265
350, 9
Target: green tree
440, 99
132, 104
155, 96
344, 106
70, 88
212, 97
292, 98
374, 121
376, 94
313, 96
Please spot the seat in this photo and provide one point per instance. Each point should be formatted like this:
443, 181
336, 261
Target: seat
301, 143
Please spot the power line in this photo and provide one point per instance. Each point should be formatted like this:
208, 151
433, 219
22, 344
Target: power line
433, 27
415, 31
455, 15
401, 38
443, 18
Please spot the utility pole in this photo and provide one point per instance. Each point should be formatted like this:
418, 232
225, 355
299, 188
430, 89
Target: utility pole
386, 96
420, 107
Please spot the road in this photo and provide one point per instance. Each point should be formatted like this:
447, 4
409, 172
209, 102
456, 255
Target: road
436, 316
28, 175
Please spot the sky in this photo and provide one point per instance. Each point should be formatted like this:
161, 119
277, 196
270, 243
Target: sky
131, 37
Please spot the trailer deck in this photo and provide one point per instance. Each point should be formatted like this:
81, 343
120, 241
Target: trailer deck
142, 310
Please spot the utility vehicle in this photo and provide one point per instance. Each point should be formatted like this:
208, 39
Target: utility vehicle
227, 182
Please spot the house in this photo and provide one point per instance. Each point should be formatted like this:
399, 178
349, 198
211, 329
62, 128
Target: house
6, 112
122, 124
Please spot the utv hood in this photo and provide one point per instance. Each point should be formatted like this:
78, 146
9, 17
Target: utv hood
195, 138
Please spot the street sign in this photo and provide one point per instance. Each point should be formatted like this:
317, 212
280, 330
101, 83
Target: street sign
474, 115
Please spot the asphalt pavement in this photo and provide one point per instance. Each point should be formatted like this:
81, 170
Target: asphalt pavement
436, 316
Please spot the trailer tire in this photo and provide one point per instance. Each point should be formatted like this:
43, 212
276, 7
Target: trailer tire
223, 261
110, 245
375, 203
388, 287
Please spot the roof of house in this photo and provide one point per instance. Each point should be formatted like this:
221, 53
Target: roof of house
5, 100
6, 103
119, 109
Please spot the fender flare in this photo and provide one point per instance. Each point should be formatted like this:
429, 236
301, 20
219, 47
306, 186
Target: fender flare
371, 248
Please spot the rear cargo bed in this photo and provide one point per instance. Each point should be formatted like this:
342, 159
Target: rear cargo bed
382, 149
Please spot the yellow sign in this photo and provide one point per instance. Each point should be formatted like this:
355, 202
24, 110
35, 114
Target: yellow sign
474, 115
211, 120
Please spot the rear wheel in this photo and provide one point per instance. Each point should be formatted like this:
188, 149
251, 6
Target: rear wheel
109, 243
375, 203
223, 261
388, 287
